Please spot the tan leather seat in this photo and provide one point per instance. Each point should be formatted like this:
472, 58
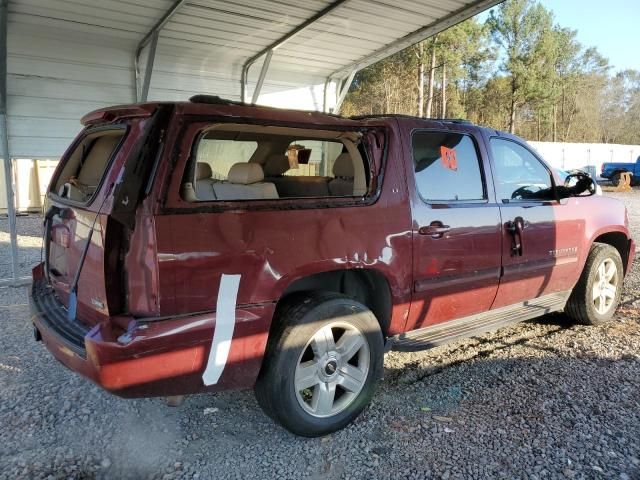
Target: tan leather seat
342, 184
245, 182
204, 182
96, 161
92, 167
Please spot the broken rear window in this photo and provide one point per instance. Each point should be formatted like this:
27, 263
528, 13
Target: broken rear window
83, 170
249, 162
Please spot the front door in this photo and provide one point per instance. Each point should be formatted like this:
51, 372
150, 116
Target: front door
456, 229
540, 235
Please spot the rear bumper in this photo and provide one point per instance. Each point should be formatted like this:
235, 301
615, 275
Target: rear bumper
133, 358
50, 316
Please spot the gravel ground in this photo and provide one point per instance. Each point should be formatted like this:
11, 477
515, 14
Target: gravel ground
29, 228
537, 400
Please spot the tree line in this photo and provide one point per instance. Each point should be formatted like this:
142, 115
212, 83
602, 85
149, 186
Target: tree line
517, 71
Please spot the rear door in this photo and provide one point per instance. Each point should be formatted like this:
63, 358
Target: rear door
456, 227
272, 241
541, 236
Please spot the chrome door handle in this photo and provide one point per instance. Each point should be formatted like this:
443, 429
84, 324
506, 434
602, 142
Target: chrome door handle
515, 228
435, 230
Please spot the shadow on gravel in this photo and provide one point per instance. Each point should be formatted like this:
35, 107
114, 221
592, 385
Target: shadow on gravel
489, 345
28, 257
563, 403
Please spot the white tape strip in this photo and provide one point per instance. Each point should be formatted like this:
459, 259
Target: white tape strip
223, 332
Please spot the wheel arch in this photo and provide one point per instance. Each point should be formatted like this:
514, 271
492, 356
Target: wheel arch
617, 240
619, 173
368, 286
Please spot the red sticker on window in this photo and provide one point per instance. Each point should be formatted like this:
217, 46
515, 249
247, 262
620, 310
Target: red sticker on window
448, 156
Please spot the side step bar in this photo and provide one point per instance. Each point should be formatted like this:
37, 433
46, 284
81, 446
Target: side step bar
446, 332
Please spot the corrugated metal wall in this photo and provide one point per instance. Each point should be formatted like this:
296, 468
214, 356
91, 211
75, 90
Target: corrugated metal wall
60, 69
67, 57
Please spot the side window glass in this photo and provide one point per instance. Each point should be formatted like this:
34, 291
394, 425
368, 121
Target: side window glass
447, 167
519, 175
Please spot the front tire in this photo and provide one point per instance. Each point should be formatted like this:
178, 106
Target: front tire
322, 363
595, 297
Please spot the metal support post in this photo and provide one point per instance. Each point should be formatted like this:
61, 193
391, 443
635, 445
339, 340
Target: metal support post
4, 131
244, 77
149, 70
152, 35
343, 92
263, 74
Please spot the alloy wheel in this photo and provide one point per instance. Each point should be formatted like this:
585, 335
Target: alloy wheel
605, 286
332, 369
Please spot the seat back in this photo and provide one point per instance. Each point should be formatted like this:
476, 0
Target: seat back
204, 183
301, 186
276, 165
293, 186
342, 184
245, 182
94, 164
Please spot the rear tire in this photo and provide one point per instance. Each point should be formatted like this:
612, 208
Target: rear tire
595, 297
323, 360
615, 179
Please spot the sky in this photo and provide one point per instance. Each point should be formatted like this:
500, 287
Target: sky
611, 26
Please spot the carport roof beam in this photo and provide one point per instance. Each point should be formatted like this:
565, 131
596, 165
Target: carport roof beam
152, 35
244, 78
417, 36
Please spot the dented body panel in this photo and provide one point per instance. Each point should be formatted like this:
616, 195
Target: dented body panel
164, 257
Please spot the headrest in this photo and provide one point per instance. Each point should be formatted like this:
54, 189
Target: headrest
343, 166
203, 170
245, 173
276, 165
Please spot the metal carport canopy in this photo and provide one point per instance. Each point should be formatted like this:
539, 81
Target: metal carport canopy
67, 57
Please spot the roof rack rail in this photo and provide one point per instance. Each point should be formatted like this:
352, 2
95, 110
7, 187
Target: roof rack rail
463, 121
413, 117
215, 100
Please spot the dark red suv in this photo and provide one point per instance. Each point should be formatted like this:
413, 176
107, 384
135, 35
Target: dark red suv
208, 245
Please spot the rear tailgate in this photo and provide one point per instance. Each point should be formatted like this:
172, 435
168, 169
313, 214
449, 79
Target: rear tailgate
81, 200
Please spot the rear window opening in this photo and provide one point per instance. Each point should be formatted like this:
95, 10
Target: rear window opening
249, 162
85, 167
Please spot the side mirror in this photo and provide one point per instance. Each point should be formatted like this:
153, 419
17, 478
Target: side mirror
577, 184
